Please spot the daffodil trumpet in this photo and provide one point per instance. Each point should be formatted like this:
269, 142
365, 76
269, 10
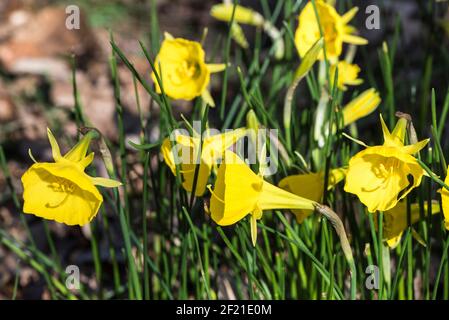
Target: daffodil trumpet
189, 153
61, 190
389, 171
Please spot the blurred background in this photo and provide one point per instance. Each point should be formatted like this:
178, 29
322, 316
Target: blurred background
36, 88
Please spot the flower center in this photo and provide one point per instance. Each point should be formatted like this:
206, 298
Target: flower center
186, 70
62, 186
330, 33
384, 171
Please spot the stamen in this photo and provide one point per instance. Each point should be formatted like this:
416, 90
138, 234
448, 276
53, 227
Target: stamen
209, 187
48, 205
63, 186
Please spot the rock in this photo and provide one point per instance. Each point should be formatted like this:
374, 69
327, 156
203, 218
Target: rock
40, 42
6, 109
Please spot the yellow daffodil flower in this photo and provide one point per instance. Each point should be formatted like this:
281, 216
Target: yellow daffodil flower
347, 75
242, 14
395, 220
238, 191
61, 190
363, 105
335, 29
310, 186
181, 66
445, 201
188, 147
382, 175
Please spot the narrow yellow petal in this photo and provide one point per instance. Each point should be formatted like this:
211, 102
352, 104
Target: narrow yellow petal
348, 38
355, 82
242, 14
105, 182
207, 97
78, 152
388, 139
348, 16
54, 145
168, 36
216, 67
398, 133
215, 146
239, 36
415, 148
85, 162
363, 105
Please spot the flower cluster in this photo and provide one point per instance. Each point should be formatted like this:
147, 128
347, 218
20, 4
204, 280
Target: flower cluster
381, 176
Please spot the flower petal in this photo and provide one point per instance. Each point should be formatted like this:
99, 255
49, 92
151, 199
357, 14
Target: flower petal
415, 148
207, 97
349, 38
216, 67
361, 106
105, 182
236, 191
78, 152
348, 16
54, 145
310, 186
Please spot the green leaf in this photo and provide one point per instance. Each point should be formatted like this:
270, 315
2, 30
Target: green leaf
309, 60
